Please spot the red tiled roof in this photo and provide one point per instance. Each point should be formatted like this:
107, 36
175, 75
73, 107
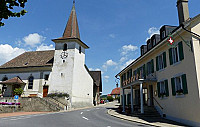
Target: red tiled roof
15, 80
115, 91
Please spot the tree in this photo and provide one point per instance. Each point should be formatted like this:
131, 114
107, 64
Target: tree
6, 9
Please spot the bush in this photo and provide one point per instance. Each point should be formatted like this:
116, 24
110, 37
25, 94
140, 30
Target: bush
58, 95
110, 98
18, 91
0, 91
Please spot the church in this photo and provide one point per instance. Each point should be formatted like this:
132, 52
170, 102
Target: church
62, 70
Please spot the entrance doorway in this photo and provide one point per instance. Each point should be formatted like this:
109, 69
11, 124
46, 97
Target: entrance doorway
45, 91
151, 95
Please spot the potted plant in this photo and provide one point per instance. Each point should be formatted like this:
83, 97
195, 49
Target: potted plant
18, 91
162, 94
179, 92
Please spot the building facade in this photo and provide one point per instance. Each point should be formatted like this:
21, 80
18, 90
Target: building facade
166, 75
62, 70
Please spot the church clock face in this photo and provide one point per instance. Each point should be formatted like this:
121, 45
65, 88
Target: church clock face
64, 55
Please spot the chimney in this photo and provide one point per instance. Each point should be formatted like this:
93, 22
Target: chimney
183, 12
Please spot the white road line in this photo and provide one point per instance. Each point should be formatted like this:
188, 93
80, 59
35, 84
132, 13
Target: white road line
81, 113
85, 118
88, 110
108, 126
97, 108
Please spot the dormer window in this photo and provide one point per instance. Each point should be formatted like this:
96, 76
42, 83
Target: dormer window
79, 49
65, 47
154, 42
163, 34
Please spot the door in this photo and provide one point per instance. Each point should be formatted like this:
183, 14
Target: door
151, 95
45, 90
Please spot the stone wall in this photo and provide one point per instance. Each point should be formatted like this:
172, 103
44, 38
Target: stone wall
28, 105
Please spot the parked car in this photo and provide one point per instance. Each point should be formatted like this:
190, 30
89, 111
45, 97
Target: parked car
102, 102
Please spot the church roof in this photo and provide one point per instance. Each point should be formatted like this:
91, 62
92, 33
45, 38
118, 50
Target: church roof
15, 80
31, 59
96, 75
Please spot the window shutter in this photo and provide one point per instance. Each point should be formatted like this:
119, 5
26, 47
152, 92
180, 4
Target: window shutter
144, 71
166, 88
164, 60
122, 80
157, 68
180, 49
152, 66
173, 86
184, 83
170, 56
158, 88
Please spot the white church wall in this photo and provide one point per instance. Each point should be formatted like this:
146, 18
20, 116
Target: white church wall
61, 77
82, 89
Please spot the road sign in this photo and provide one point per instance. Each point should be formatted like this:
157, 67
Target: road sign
16, 97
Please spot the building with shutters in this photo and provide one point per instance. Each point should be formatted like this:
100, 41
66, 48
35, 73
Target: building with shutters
62, 70
167, 75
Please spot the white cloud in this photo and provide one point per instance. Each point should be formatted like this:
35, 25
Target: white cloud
43, 47
108, 63
7, 52
122, 59
127, 63
128, 48
106, 77
112, 35
152, 31
33, 39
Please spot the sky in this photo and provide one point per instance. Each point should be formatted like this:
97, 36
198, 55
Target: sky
113, 29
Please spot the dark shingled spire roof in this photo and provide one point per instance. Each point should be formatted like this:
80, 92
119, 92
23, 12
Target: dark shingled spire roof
72, 29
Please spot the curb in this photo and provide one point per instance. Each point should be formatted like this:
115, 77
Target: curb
131, 120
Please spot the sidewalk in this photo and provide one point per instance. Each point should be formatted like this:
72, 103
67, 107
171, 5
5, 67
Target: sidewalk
161, 122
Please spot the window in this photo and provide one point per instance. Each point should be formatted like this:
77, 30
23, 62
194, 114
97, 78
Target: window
179, 85
30, 82
154, 42
161, 61
176, 54
79, 49
65, 47
134, 75
162, 88
163, 34
46, 77
150, 67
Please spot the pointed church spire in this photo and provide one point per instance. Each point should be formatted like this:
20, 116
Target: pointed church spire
72, 29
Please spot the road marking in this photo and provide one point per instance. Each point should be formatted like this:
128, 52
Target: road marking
85, 118
88, 110
81, 113
97, 108
108, 126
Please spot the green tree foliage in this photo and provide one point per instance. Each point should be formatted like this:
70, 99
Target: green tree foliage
6, 9
18, 91
110, 98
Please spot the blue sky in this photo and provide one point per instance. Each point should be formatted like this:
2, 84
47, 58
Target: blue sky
113, 29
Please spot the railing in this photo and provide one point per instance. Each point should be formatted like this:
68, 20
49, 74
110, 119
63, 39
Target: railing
158, 103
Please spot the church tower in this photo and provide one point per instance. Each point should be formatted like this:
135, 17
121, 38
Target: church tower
69, 73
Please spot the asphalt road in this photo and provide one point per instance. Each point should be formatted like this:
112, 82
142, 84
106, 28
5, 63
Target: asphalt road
94, 117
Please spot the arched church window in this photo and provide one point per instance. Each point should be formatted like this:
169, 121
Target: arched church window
65, 47
30, 82
4, 88
79, 49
